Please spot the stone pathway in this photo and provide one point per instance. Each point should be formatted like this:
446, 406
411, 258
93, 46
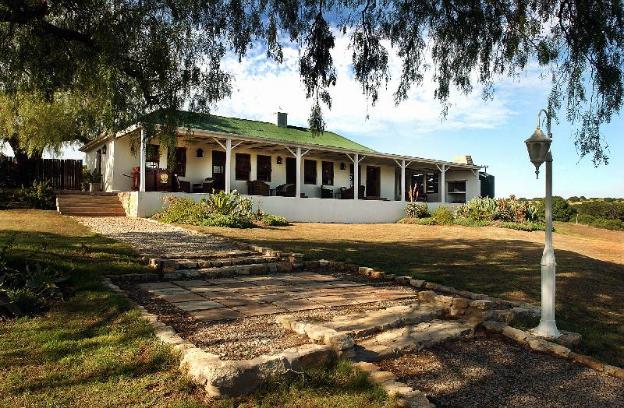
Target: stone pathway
248, 296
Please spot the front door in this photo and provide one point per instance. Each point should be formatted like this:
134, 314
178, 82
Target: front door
373, 181
291, 170
218, 170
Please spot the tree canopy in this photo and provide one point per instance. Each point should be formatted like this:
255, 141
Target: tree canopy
140, 56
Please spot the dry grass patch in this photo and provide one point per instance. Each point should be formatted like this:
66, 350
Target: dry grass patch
490, 260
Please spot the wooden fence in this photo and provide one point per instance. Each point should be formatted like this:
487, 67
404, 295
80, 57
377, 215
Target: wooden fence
63, 174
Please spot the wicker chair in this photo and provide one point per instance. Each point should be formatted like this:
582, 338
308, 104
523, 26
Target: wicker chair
347, 193
286, 190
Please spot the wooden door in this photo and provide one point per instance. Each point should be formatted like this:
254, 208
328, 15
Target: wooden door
218, 170
373, 181
291, 170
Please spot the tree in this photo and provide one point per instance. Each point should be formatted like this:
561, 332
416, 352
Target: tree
165, 54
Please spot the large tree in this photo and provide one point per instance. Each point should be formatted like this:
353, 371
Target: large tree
165, 54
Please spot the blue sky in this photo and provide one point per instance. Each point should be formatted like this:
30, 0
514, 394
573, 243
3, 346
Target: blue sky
492, 132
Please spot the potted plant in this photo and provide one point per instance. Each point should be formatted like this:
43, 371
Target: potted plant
91, 181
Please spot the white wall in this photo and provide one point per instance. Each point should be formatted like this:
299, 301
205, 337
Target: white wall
473, 185
294, 209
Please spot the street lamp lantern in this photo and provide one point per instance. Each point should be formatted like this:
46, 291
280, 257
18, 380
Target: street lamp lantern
538, 146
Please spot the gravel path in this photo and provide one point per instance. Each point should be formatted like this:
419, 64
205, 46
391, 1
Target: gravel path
156, 239
493, 372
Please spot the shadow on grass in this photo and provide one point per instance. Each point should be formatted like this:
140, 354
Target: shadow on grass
590, 292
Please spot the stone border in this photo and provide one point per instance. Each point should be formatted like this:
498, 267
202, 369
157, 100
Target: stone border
540, 344
232, 377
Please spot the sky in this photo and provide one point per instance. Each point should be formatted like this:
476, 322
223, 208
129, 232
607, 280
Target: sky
492, 131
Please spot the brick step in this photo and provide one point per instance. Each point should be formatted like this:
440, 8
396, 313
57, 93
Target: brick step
217, 263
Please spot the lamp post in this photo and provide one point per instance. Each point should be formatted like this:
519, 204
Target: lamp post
538, 146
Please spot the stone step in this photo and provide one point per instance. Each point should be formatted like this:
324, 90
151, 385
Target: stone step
367, 323
90, 205
235, 253
94, 214
217, 263
394, 342
233, 270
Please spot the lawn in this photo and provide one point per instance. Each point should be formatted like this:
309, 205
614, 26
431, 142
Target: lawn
94, 349
496, 261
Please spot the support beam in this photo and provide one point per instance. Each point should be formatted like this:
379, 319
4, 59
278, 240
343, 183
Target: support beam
228, 163
298, 172
142, 161
443, 184
356, 176
403, 180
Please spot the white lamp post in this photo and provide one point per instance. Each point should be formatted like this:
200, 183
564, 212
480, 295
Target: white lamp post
538, 146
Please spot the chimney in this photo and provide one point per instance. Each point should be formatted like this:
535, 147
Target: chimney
282, 119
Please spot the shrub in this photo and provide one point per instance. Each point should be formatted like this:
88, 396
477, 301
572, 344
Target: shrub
227, 221
182, 210
467, 222
478, 209
417, 210
598, 222
274, 220
602, 209
40, 195
561, 209
523, 226
443, 216
217, 210
418, 221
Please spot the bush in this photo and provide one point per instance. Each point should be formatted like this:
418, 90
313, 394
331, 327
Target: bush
601, 209
227, 221
418, 221
443, 216
274, 220
217, 210
523, 226
561, 209
598, 222
417, 210
467, 222
478, 209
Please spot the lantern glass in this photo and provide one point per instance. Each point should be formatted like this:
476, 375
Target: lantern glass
538, 146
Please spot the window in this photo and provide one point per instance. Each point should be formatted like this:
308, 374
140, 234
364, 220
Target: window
181, 161
264, 168
328, 173
457, 186
309, 171
243, 166
152, 153
432, 183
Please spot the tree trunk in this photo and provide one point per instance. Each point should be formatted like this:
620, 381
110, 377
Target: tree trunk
24, 164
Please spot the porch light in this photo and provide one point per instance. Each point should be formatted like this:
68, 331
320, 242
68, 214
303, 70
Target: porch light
342, 166
104, 149
200, 152
538, 146
279, 159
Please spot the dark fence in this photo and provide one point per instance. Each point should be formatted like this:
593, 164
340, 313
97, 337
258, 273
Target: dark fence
60, 174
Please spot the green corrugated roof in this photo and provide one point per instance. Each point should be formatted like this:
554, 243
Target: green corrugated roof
264, 130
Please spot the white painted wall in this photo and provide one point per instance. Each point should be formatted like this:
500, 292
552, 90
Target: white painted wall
293, 209
473, 185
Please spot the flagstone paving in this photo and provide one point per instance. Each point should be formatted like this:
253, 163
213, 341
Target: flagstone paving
231, 298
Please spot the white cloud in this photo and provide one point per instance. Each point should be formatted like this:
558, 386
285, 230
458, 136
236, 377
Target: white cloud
263, 87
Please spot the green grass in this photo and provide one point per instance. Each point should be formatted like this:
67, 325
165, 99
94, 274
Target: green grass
94, 350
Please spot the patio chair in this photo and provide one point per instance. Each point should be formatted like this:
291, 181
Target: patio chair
257, 187
286, 190
327, 192
347, 193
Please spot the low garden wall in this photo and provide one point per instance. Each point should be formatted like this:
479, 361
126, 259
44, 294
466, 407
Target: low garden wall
146, 204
